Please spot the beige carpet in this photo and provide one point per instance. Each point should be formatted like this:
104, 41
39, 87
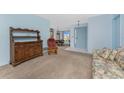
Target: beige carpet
65, 65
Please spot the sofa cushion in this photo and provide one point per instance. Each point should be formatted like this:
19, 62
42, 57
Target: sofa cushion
110, 67
103, 70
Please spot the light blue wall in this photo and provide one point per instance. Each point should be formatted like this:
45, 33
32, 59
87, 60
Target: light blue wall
21, 21
99, 32
122, 29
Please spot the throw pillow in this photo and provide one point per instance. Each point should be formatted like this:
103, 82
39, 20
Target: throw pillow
121, 59
112, 55
106, 53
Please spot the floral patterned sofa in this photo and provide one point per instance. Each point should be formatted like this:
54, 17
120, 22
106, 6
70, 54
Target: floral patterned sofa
108, 64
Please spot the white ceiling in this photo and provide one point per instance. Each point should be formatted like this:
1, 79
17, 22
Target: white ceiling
63, 21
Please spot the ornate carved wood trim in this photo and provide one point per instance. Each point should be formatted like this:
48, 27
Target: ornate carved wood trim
23, 51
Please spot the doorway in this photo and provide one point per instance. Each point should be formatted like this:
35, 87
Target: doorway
116, 32
81, 38
67, 38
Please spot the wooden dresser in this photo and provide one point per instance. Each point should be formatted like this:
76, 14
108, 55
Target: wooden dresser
25, 45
